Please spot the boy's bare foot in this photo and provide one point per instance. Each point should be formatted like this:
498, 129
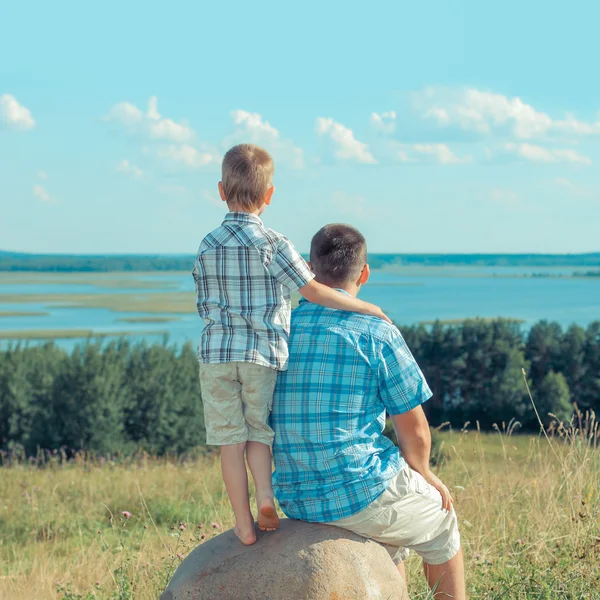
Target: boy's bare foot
268, 520
246, 535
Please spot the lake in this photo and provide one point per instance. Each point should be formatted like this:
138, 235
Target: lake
107, 303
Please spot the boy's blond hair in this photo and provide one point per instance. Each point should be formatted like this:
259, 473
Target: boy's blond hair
247, 173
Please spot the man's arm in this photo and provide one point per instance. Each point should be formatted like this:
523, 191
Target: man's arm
414, 439
317, 293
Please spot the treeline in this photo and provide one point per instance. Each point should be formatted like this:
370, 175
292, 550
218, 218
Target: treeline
58, 263
105, 398
475, 371
121, 397
10, 261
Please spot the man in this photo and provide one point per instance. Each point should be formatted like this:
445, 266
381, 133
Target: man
332, 462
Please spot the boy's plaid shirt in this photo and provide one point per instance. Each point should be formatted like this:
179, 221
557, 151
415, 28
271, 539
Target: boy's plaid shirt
244, 274
345, 372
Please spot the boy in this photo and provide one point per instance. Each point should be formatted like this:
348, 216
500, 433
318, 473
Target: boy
244, 274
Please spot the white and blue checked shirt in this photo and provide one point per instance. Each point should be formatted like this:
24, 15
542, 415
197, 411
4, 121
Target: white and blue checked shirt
345, 371
244, 274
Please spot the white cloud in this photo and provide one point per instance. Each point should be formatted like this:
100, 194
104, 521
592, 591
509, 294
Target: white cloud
254, 123
547, 155
187, 155
125, 113
14, 115
251, 127
153, 109
126, 167
41, 193
441, 153
475, 110
42, 175
385, 122
347, 147
151, 123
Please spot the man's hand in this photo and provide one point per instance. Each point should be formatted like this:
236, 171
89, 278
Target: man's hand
436, 482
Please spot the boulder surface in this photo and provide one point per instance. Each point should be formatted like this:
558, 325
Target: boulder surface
299, 561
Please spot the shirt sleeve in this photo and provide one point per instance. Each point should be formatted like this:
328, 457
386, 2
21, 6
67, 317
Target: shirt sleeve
288, 267
402, 385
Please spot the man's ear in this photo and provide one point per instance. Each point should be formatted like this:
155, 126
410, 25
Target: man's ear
222, 192
269, 195
364, 275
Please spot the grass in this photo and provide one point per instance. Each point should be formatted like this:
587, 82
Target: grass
68, 334
529, 510
22, 313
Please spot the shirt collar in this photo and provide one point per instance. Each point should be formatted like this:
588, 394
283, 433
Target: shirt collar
242, 217
303, 300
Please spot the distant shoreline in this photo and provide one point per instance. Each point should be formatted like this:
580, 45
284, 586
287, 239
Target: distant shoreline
111, 263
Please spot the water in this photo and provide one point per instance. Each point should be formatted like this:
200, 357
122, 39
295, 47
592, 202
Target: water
407, 294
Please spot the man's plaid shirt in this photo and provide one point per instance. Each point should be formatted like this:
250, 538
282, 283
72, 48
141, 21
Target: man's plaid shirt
345, 371
244, 274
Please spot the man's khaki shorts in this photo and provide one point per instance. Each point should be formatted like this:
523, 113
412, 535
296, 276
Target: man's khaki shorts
237, 399
408, 516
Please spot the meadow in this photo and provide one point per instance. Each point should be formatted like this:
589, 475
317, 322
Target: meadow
87, 528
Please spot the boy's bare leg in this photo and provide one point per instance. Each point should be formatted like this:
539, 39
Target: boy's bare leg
402, 570
449, 577
235, 476
259, 461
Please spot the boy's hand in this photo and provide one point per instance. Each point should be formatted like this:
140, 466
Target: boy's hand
375, 311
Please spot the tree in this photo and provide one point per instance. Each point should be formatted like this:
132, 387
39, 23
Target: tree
553, 397
543, 350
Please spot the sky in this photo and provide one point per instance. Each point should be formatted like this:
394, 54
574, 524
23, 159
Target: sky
447, 126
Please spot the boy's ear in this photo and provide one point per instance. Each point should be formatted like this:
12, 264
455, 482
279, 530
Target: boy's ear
310, 266
364, 275
269, 195
222, 192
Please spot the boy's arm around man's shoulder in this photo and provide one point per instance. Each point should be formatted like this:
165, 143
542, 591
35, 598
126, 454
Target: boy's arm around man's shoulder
291, 271
317, 293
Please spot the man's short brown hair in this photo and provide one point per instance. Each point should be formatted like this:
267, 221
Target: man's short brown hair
247, 173
338, 254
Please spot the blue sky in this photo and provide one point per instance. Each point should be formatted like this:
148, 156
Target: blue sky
433, 127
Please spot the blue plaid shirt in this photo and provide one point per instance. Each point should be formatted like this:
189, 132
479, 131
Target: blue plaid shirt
345, 371
244, 274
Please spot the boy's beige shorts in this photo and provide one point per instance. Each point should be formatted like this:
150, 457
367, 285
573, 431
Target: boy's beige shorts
237, 399
408, 516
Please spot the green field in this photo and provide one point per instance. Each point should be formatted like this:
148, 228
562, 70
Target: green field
529, 513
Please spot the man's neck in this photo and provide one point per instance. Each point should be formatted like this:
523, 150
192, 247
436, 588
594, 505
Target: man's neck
351, 288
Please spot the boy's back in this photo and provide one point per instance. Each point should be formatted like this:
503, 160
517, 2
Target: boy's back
244, 273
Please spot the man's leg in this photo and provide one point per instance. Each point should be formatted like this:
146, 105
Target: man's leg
449, 578
402, 570
235, 476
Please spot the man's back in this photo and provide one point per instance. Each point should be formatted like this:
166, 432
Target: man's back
345, 370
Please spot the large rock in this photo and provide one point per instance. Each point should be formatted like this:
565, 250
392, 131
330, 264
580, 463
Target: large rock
299, 561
